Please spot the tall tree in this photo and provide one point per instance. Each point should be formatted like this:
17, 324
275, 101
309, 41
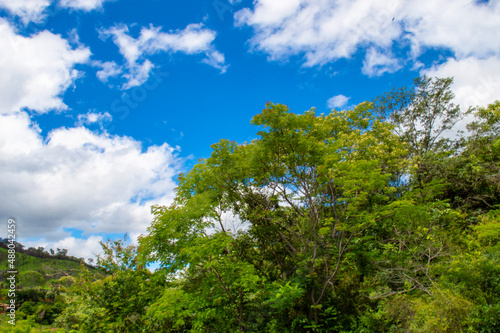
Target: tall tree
308, 188
424, 115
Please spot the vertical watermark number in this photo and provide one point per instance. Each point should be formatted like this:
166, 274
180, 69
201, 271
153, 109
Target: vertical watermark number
12, 272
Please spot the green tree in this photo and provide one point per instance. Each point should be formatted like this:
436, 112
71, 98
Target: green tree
32, 279
365, 220
307, 189
115, 302
424, 115
472, 171
117, 256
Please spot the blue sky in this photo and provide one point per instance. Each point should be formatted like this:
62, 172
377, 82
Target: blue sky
103, 103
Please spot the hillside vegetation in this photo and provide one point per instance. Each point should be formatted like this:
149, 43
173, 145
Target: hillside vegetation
50, 267
42, 279
382, 218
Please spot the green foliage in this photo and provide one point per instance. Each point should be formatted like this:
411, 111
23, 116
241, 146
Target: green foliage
472, 171
285, 295
488, 231
115, 303
422, 114
444, 312
350, 223
51, 268
117, 256
306, 189
32, 279
363, 220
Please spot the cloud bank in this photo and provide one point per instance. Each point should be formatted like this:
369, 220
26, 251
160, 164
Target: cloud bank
27, 10
76, 178
324, 31
36, 70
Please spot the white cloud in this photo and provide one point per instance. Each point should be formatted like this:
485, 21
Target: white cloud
108, 69
268, 12
80, 179
324, 31
194, 39
86, 5
74, 177
138, 74
36, 70
93, 118
216, 60
377, 63
476, 81
337, 101
27, 10
321, 30
466, 27
34, 10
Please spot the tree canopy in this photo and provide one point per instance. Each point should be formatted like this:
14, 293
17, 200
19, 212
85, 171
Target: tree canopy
327, 222
381, 218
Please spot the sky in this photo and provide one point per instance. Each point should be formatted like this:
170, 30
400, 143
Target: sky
104, 102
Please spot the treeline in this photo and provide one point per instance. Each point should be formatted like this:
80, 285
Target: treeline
40, 251
383, 218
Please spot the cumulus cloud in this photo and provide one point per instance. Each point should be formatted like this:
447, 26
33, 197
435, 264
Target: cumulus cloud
194, 39
337, 101
476, 81
78, 247
36, 70
320, 30
323, 31
466, 27
72, 177
138, 74
108, 69
326, 30
35, 10
377, 63
27, 10
86, 5
93, 118
216, 60
76, 178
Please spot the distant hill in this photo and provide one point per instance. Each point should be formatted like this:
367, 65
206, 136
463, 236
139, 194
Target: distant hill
42, 276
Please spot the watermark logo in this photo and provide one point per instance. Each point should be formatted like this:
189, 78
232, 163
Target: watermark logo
132, 98
11, 279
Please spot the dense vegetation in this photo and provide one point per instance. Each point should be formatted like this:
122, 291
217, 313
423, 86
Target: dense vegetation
42, 281
383, 218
